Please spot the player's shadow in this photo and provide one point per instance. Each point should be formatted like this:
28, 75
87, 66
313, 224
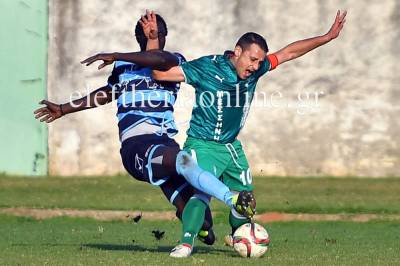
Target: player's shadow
139, 248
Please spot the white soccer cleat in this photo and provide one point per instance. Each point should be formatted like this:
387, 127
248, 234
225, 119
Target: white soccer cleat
181, 251
228, 240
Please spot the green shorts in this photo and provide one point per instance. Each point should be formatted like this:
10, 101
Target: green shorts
226, 161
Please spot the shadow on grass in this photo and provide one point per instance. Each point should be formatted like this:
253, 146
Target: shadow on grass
139, 248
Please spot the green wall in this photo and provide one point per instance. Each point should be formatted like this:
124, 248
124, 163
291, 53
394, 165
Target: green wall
23, 52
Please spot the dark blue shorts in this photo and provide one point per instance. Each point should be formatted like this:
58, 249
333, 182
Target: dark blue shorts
137, 154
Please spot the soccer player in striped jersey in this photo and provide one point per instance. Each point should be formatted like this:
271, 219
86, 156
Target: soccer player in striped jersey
226, 83
146, 124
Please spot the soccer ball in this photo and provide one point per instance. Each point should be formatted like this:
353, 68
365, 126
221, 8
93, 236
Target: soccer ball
251, 240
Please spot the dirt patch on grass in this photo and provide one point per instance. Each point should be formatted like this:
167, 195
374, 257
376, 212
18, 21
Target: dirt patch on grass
105, 215
108, 215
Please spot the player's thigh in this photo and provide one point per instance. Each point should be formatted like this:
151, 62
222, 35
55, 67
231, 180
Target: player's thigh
237, 175
209, 157
143, 158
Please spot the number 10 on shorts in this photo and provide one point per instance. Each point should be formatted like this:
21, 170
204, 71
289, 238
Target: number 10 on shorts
245, 177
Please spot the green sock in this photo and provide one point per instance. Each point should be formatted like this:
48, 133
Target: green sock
236, 220
192, 219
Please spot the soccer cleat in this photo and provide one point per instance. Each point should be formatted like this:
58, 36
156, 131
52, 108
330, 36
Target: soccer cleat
228, 240
245, 204
181, 251
207, 237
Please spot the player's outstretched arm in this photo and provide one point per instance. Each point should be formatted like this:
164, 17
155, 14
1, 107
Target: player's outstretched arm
174, 74
52, 111
299, 48
154, 59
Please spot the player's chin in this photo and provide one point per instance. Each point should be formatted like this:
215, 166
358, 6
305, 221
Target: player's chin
245, 74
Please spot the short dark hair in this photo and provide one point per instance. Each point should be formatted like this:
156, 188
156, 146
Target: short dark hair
139, 34
251, 37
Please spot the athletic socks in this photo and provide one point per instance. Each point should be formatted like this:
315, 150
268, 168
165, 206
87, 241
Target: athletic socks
192, 219
236, 220
201, 179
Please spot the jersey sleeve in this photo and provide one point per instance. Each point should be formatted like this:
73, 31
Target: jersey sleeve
181, 58
113, 78
194, 70
269, 64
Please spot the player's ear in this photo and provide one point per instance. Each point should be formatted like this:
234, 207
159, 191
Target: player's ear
238, 51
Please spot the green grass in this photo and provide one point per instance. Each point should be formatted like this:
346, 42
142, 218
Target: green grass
67, 241
309, 195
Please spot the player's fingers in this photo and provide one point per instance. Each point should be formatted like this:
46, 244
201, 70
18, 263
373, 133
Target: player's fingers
148, 14
88, 59
39, 110
144, 19
341, 26
91, 61
44, 118
102, 65
51, 119
153, 16
344, 15
40, 115
37, 116
337, 16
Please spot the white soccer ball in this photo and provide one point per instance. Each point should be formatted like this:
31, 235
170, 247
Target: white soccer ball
251, 240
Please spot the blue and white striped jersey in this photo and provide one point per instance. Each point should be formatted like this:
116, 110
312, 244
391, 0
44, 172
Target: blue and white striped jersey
145, 106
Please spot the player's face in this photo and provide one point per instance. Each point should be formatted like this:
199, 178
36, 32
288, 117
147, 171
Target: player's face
248, 60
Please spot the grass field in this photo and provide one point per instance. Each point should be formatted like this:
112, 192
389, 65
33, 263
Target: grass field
66, 241
294, 195
83, 241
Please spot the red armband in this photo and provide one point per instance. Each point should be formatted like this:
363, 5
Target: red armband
273, 60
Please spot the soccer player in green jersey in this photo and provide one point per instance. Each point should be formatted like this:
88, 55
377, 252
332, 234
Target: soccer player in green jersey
224, 87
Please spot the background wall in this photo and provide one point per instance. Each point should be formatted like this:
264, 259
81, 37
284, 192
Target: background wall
23, 50
353, 129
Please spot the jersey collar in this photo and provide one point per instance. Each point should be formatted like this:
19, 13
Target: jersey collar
227, 56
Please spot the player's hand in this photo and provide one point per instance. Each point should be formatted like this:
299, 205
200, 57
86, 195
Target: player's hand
337, 25
149, 25
49, 113
106, 58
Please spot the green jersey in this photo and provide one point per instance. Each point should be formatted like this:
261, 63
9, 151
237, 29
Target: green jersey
222, 98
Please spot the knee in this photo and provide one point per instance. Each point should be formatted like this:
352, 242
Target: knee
184, 162
203, 198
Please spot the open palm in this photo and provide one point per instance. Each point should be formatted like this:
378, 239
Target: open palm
337, 26
149, 25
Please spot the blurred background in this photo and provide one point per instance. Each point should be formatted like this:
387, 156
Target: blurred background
352, 130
